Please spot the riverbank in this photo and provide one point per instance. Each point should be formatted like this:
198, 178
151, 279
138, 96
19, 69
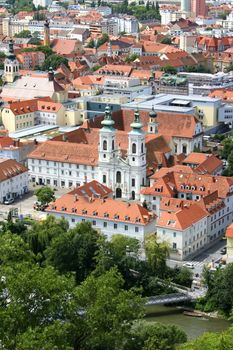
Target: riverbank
213, 314
193, 326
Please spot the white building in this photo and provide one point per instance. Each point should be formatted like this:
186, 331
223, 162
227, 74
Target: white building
91, 203
43, 3
172, 197
185, 230
68, 164
13, 179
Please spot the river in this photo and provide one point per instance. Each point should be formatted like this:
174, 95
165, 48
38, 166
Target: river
193, 326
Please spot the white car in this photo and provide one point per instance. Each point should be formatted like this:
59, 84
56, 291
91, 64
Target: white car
9, 201
189, 265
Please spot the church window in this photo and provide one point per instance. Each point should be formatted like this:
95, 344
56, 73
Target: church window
105, 145
6, 68
134, 148
151, 129
10, 69
184, 149
142, 148
118, 177
104, 179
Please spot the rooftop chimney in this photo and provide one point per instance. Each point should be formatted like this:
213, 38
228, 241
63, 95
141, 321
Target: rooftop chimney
51, 74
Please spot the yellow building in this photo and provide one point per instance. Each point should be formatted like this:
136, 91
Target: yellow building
229, 236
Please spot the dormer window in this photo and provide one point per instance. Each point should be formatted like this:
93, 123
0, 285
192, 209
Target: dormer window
193, 188
95, 213
127, 217
116, 216
74, 210
182, 187
187, 187
63, 208
106, 215
84, 211
202, 188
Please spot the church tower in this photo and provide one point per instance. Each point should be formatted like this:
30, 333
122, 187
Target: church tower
46, 33
107, 137
11, 65
107, 148
136, 157
152, 125
136, 144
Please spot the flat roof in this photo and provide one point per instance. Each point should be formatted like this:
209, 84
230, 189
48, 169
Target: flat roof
180, 102
32, 131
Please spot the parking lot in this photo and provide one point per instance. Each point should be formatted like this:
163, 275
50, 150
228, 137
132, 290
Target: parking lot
25, 205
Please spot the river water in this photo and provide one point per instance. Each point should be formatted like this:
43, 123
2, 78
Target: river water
193, 326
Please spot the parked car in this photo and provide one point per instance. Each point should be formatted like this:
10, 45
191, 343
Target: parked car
189, 265
223, 251
9, 201
38, 206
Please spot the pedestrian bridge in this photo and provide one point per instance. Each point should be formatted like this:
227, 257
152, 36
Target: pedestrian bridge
168, 299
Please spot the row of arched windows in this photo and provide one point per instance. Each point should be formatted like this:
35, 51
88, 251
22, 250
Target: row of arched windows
14, 70
134, 146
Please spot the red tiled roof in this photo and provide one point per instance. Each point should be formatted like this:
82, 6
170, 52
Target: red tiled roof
107, 209
10, 168
229, 231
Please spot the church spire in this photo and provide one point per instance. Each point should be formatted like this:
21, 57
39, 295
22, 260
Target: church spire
107, 122
136, 124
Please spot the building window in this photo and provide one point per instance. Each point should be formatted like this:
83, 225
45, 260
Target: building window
105, 145
70, 183
136, 229
73, 220
173, 245
104, 179
118, 177
174, 234
62, 183
134, 148
115, 226
142, 148
126, 227
94, 223
184, 149
105, 224
133, 182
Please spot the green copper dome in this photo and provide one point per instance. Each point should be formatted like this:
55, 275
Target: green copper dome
152, 113
136, 124
108, 118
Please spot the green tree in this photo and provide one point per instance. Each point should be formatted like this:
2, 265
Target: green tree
36, 297
169, 69
110, 311
54, 61
227, 147
184, 277
24, 34
229, 68
156, 254
132, 57
75, 251
151, 336
230, 164
45, 195
211, 341
40, 235
104, 38
167, 40
91, 44
14, 250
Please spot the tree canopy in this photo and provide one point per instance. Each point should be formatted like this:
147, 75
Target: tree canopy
45, 194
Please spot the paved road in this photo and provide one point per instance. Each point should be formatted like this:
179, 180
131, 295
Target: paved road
25, 205
204, 258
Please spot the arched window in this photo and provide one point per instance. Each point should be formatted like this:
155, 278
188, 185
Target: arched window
6, 68
113, 145
142, 148
104, 179
105, 145
134, 148
133, 195
184, 149
118, 177
13, 69
10, 69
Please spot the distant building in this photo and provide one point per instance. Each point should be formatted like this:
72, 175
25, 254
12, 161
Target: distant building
29, 60
198, 8
13, 179
43, 3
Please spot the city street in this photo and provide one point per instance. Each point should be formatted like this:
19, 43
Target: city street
25, 205
204, 258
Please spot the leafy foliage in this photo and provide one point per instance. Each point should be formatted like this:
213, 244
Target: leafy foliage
45, 194
169, 69
24, 34
54, 61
